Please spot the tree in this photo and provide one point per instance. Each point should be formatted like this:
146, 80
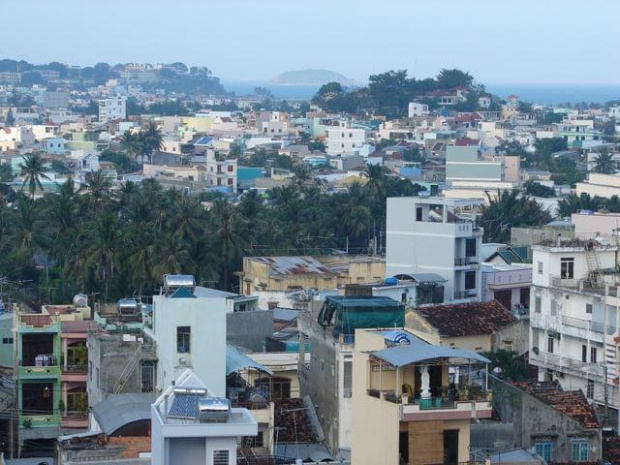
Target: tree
10, 119
302, 176
263, 92
151, 139
604, 163
389, 92
450, 78
98, 190
524, 107
131, 143
509, 209
33, 170
538, 190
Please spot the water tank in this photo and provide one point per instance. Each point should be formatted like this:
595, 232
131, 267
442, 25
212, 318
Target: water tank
213, 410
127, 306
392, 281
172, 282
80, 300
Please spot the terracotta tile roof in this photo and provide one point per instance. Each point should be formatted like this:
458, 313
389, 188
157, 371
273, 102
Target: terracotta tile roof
467, 319
571, 403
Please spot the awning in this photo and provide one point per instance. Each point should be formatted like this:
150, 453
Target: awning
237, 360
415, 353
119, 410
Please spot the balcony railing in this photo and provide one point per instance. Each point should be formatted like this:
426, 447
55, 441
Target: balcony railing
465, 261
458, 295
75, 369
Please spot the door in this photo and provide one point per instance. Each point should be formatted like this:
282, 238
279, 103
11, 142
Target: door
403, 447
451, 446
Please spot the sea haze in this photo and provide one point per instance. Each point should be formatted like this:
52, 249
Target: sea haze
547, 94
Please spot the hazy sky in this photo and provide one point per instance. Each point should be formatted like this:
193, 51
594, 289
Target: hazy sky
498, 41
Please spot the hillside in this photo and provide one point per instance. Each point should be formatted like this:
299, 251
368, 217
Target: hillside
311, 77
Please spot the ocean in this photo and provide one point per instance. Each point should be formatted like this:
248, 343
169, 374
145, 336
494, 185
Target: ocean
546, 94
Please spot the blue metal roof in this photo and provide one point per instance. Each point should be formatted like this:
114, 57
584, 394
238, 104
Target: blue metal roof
204, 141
237, 360
407, 355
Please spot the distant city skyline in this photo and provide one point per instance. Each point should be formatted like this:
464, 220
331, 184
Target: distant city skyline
524, 41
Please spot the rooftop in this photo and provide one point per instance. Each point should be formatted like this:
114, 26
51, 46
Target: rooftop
571, 403
467, 319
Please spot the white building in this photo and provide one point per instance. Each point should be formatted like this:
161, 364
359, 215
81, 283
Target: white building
573, 317
417, 109
221, 171
345, 139
603, 185
436, 235
190, 425
111, 109
190, 331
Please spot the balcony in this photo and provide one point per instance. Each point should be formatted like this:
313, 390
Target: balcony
38, 372
74, 419
31, 420
74, 373
465, 262
568, 365
569, 326
469, 294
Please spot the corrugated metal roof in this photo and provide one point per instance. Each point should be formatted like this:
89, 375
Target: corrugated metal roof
293, 265
119, 410
407, 355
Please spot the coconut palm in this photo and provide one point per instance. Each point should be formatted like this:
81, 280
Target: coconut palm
151, 139
604, 163
97, 190
131, 143
33, 170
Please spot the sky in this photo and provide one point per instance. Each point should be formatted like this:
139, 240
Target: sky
497, 41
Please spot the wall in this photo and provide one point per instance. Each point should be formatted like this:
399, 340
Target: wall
6, 340
518, 333
532, 418
598, 223
207, 356
249, 329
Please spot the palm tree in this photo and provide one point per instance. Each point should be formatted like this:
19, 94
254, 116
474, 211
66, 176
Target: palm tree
131, 143
33, 171
604, 163
229, 242
302, 176
151, 139
98, 190
376, 176
104, 246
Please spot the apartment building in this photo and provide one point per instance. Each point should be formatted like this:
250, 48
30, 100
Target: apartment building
573, 321
436, 235
221, 172
416, 109
345, 139
413, 402
111, 109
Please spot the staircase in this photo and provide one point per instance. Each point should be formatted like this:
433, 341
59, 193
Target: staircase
594, 264
131, 366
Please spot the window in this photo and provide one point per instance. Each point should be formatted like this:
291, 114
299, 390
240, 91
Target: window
221, 457
589, 308
231, 168
183, 339
590, 389
544, 449
470, 248
540, 267
567, 268
537, 304
584, 354
592, 354
147, 376
7, 340
347, 378
470, 280
579, 451
550, 344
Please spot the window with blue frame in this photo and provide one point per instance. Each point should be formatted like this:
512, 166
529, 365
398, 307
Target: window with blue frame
545, 450
579, 451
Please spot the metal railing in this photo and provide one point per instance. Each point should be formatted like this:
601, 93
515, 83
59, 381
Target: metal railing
465, 294
465, 261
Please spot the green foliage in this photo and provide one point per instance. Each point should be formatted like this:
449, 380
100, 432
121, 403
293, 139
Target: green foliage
572, 203
510, 365
545, 148
6, 172
122, 162
512, 147
604, 163
449, 78
524, 107
10, 119
509, 209
317, 145
168, 108
262, 159
538, 190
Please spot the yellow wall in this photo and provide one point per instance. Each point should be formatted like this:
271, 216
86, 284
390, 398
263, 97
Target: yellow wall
198, 123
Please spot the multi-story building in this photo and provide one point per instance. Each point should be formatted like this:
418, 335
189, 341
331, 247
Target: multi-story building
417, 109
345, 139
436, 235
50, 371
185, 327
190, 425
111, 109
573, 316
327, 377
221, 172
413, 402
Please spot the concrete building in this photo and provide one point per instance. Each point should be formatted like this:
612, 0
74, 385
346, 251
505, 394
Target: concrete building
413, 402
190, 425
221, 172
597, 184
416, 109
111, 109
588, 223
560, 426
508, 284
345, 139
185, 328
436, 235
573, 319
55, 99
327, 378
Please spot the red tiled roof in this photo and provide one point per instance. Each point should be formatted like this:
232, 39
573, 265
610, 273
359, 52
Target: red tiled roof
467, 319
571, 403
611, 449
466, 142
79, 326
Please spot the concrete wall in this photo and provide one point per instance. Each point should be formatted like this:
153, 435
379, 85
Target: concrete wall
533, 418
249, 329
6, 340
517, 334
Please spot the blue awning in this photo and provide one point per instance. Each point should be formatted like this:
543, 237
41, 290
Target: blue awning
237, 360
408, 355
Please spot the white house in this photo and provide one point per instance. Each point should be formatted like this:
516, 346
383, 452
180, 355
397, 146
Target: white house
190, 425
112, 109
417, 109
345, 139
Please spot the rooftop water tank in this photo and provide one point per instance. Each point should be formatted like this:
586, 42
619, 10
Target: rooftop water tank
213, 410
80, 300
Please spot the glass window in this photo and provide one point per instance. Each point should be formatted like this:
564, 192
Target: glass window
470, 248
544, 449
183, 339
347, 378
567, 268
550, 344
584, 354
540, 267
590, 389
593, 354
589, 308
579, 451
470, 280
537, 304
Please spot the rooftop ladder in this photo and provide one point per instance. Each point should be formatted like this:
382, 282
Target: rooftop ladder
122, 380
594, 264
